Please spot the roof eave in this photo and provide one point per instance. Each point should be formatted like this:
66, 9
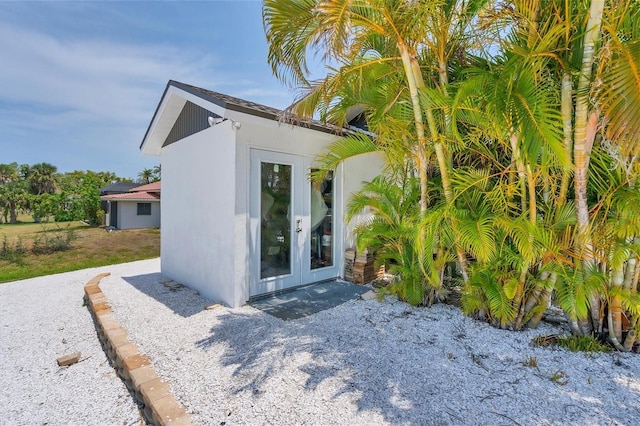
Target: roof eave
136, 200
176, 94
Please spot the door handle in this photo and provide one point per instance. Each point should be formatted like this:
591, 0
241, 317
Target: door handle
298, 228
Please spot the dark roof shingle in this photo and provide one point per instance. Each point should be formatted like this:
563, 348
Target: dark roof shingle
252, 108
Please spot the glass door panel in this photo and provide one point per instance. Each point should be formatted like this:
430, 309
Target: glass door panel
275, 221
321, 226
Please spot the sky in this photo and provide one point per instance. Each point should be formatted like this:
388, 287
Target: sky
80, 80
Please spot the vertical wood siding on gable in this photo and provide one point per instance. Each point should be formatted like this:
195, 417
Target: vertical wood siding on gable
192, 119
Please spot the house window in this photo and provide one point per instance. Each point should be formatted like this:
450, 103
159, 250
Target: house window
144, 209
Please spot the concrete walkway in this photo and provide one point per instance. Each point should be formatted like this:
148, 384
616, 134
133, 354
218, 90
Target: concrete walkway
304, 301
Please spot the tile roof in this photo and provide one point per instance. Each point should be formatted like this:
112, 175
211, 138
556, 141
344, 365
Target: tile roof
133, 196
153, 187
150, 191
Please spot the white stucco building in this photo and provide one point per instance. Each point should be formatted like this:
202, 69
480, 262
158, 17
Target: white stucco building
239, 216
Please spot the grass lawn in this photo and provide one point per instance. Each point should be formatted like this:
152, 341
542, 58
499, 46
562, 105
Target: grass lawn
91, 247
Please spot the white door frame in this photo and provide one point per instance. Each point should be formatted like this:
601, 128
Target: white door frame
299, 219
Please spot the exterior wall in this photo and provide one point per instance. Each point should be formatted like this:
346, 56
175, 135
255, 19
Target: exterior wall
260, 133
257, 133
128, 215
357, 170
268, 135
205, 234
197, 235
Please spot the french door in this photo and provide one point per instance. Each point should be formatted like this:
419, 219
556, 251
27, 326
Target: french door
292, 223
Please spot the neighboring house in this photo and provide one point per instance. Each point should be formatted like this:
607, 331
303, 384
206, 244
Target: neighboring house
115, 188
137, 208
240, 218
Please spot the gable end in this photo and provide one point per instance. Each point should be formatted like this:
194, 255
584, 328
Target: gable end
192, 119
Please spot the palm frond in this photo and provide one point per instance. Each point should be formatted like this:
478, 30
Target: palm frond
630, 301
619, 94
573, 291
486, 292
342, 149
290, 26
478, 236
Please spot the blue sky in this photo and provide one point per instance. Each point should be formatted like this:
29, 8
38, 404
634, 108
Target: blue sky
80, 81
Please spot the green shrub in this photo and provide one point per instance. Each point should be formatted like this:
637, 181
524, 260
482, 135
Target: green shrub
582, 344
572, 343
53, 241
12, 253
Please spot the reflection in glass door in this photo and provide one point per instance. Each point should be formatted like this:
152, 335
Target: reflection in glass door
275, 221
321, 226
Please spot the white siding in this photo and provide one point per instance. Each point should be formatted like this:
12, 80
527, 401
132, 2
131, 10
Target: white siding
128, 215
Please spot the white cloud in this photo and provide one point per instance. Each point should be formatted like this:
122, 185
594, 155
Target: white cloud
92, 99
97, 78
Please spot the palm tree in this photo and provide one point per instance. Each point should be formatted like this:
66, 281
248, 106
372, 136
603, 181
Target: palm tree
391, 233
157, 173
522, 121
13, 196
614, 233
341, 30
599, 103
376, 38
563, 87
42, 177
599, 44
145, 176
8, 173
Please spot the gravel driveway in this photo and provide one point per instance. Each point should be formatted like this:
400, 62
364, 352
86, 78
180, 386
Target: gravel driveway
363, 362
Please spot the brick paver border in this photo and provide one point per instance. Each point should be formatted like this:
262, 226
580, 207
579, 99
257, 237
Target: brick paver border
159, 405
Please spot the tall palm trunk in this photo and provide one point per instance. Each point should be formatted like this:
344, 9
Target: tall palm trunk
519, 298
567, 128
584, 134
631, 273
630, 283
416, 83
444, 160
615, 303
542, 297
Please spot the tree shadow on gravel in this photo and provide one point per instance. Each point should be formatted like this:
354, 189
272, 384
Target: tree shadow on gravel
262, 349
180, 299
381, 364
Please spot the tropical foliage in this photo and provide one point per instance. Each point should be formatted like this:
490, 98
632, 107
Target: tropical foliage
44, 193
150, 175
510, 131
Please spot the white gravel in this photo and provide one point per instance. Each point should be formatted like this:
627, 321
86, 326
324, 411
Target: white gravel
361, 363
42, 319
